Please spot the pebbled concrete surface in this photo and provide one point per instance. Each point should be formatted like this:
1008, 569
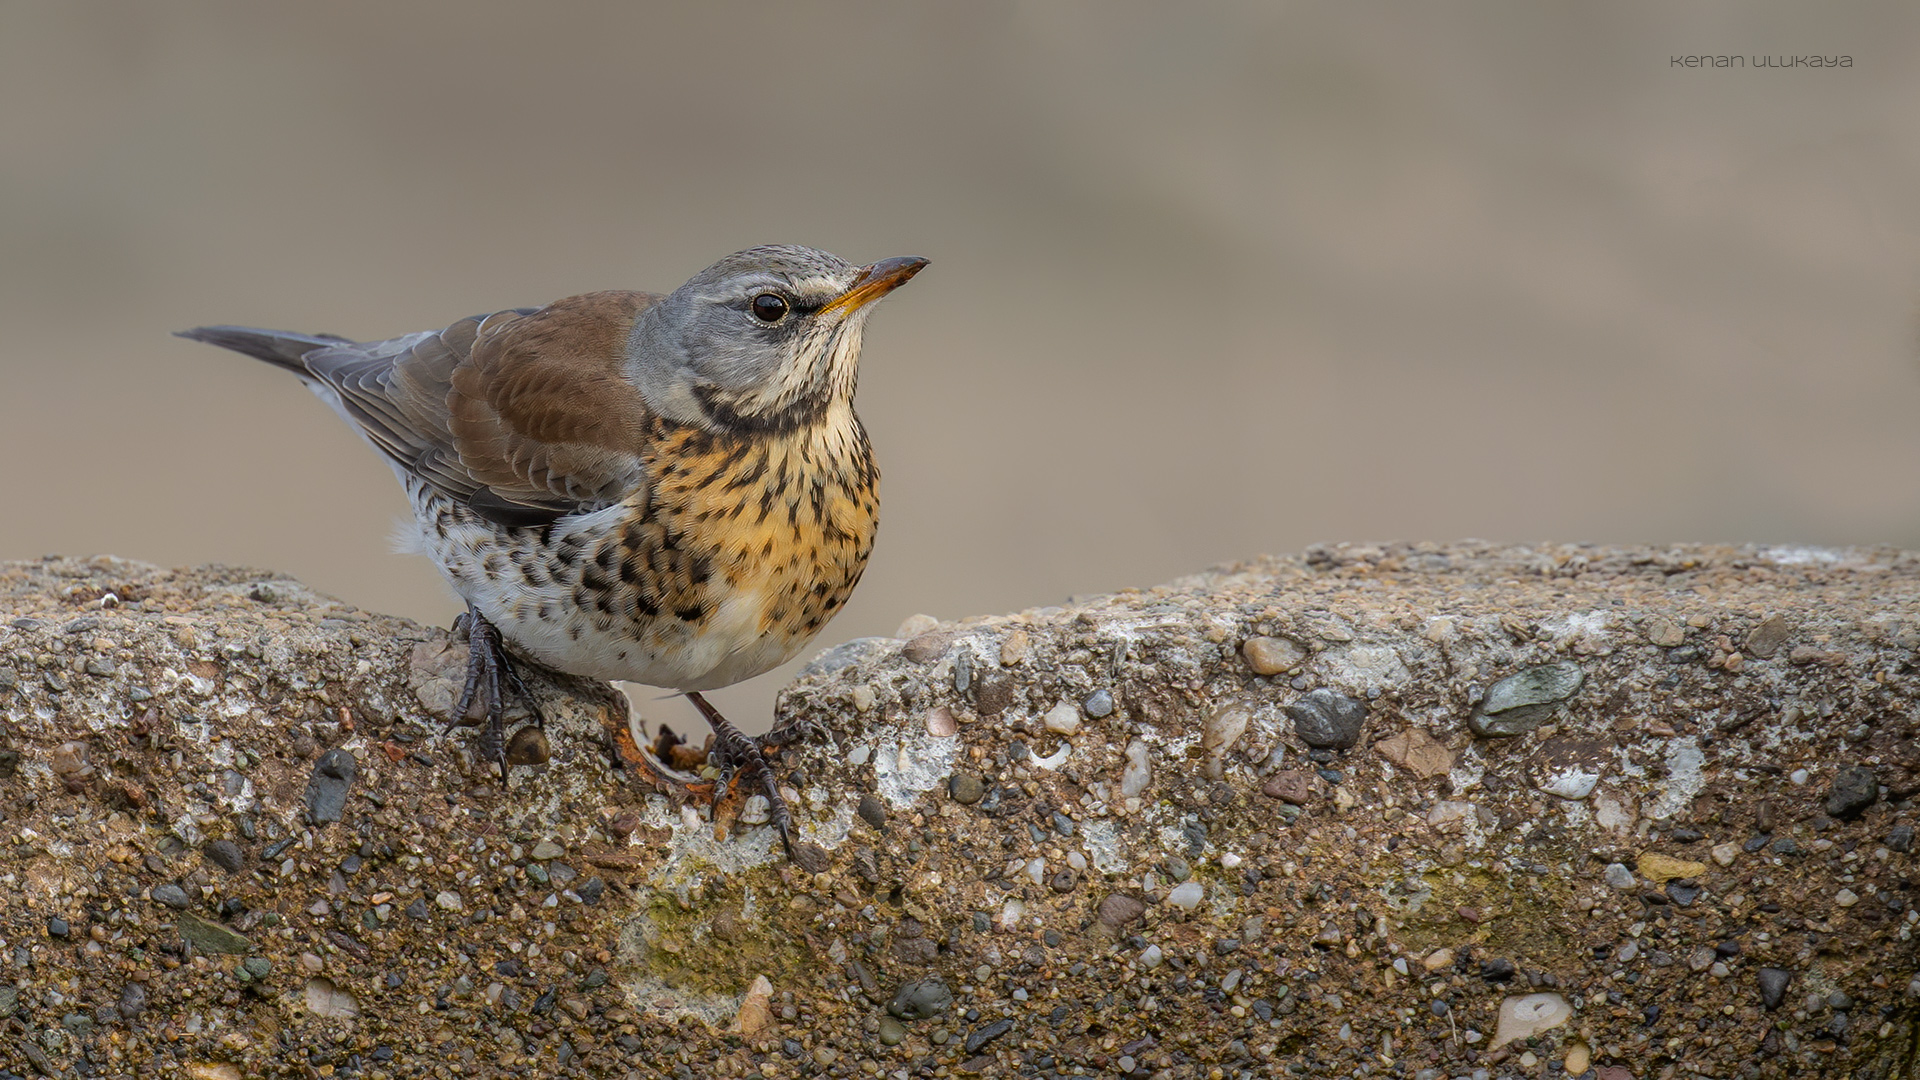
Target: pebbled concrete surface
1408, 810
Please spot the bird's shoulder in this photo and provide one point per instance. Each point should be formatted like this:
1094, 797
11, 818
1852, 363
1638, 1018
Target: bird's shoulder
523, 414
554, 374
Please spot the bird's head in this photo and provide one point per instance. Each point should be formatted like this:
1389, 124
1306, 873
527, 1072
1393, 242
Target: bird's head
767, 338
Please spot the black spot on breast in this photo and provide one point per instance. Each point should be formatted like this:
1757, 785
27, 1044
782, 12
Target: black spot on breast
693, 613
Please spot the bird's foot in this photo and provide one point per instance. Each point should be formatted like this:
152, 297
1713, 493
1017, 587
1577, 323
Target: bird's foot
795, 730
490, 673
737, 755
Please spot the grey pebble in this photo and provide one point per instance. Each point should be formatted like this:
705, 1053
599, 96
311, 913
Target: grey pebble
58, 929
1176, 868
873, 811
417, 909
9, 999
171, 895
892, 1032
1766, 639
1062, 824
980, 1037
1854, 789
1900, 839
1520, 702
592, 889
333, 774
258, 967
965, 788
1099, 704
1327, 718
224, 854
1773, 986
133, 1000
921, 999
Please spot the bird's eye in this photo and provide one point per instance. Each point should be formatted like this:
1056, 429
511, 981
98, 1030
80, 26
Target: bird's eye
769, 307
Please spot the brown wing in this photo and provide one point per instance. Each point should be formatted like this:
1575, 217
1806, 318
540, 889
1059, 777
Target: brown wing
522, 415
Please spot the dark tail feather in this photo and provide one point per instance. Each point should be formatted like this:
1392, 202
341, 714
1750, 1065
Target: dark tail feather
277, 347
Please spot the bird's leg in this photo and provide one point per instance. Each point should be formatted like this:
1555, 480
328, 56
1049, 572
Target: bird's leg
738, 753
488, 667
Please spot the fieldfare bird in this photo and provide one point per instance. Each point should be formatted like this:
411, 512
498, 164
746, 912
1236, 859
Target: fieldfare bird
671, 490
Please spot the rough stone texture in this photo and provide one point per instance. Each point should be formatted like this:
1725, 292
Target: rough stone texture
1425, 880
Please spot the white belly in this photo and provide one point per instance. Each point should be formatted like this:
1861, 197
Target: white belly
531, 599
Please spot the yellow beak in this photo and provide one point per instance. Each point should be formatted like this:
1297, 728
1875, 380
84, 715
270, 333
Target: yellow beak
873, 283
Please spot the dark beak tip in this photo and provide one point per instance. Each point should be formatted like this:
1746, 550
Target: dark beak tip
898, 269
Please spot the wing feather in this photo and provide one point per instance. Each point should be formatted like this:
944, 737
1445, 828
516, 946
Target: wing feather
524, 415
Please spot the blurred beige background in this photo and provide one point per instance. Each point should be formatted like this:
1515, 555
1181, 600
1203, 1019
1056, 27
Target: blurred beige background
1208, 280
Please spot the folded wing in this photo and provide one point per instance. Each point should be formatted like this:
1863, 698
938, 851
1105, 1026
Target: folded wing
523, 415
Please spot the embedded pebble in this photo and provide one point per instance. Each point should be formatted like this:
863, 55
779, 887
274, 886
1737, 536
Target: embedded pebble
1063, 719
1529, 1015
1015, 648
966, 788
1119, 909
1618, 876
1151, 956
941, 723
70, 759
1521, 702
1099, 704
1572, 784
756, 1008
1272, 656
171, 895
1854, 789
1187, 895
1327, 719
921, 999
1773, 986
1765, 640
225, 854
1659, 868
1135, 777
1724, 854
1294, 786
332, 775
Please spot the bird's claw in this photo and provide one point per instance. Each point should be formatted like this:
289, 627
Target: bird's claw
488, 666
739, 752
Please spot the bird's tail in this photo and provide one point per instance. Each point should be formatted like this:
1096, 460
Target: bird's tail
280, 348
